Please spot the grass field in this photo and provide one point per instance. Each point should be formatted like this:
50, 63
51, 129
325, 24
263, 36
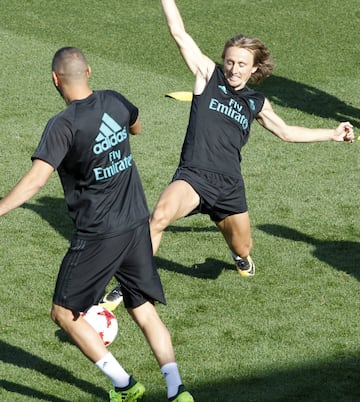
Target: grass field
292, 333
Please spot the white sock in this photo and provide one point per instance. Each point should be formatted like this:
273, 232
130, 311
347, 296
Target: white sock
172, 377
112, 368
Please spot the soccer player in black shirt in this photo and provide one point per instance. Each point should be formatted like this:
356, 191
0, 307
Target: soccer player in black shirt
88, 144
208, 179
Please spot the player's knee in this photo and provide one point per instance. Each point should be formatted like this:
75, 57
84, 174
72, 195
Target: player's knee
159, 219
54, 315
61, 315
144, 315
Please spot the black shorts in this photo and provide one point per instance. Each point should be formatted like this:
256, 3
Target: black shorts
89, 265
220, 195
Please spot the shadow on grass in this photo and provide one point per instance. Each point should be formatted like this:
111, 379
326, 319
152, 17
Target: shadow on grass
53, 210
23, 359
31, 393
342, 255
335, 380
194, 229
209, 269
291, 94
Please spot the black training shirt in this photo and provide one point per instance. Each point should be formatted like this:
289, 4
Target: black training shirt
88, 144
219, 126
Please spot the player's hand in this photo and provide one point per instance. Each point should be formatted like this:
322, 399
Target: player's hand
344, 132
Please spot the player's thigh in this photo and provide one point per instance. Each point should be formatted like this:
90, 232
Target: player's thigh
236, 230
176, 201
86, 269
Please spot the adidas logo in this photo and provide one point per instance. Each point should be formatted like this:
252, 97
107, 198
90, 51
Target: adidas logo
223, 89
110, 134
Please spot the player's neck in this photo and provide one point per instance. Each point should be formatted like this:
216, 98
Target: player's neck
77, 94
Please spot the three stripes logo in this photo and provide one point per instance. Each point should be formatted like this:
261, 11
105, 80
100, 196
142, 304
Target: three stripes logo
252, 104
223, 89
110, 134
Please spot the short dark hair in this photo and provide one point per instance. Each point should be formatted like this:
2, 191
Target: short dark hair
65, 55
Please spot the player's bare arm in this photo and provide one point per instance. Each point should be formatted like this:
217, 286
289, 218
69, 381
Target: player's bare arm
135, 128
30, 184
276, 125
199, 64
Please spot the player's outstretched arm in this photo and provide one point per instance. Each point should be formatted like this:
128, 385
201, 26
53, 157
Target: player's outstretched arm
27, 187
276, 125
197, 62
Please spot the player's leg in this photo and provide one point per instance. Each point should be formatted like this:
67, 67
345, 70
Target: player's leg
80, 331
141, 286
176, 201
155, 332
78, 286
92, 346
237, 234
159, 340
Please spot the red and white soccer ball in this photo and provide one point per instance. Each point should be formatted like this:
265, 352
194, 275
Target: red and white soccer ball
103, 321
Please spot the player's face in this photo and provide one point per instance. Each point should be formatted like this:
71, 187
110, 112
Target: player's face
238, 66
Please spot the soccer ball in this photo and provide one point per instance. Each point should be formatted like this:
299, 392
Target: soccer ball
103, 321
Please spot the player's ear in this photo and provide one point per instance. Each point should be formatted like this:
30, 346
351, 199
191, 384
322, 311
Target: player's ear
55, 79
254, 69
88, 71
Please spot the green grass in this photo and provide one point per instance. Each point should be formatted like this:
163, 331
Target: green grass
289, 334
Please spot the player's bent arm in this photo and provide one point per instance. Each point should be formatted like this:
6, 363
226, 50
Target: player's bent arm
136, 127
197, 62
27, 187
276, 125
